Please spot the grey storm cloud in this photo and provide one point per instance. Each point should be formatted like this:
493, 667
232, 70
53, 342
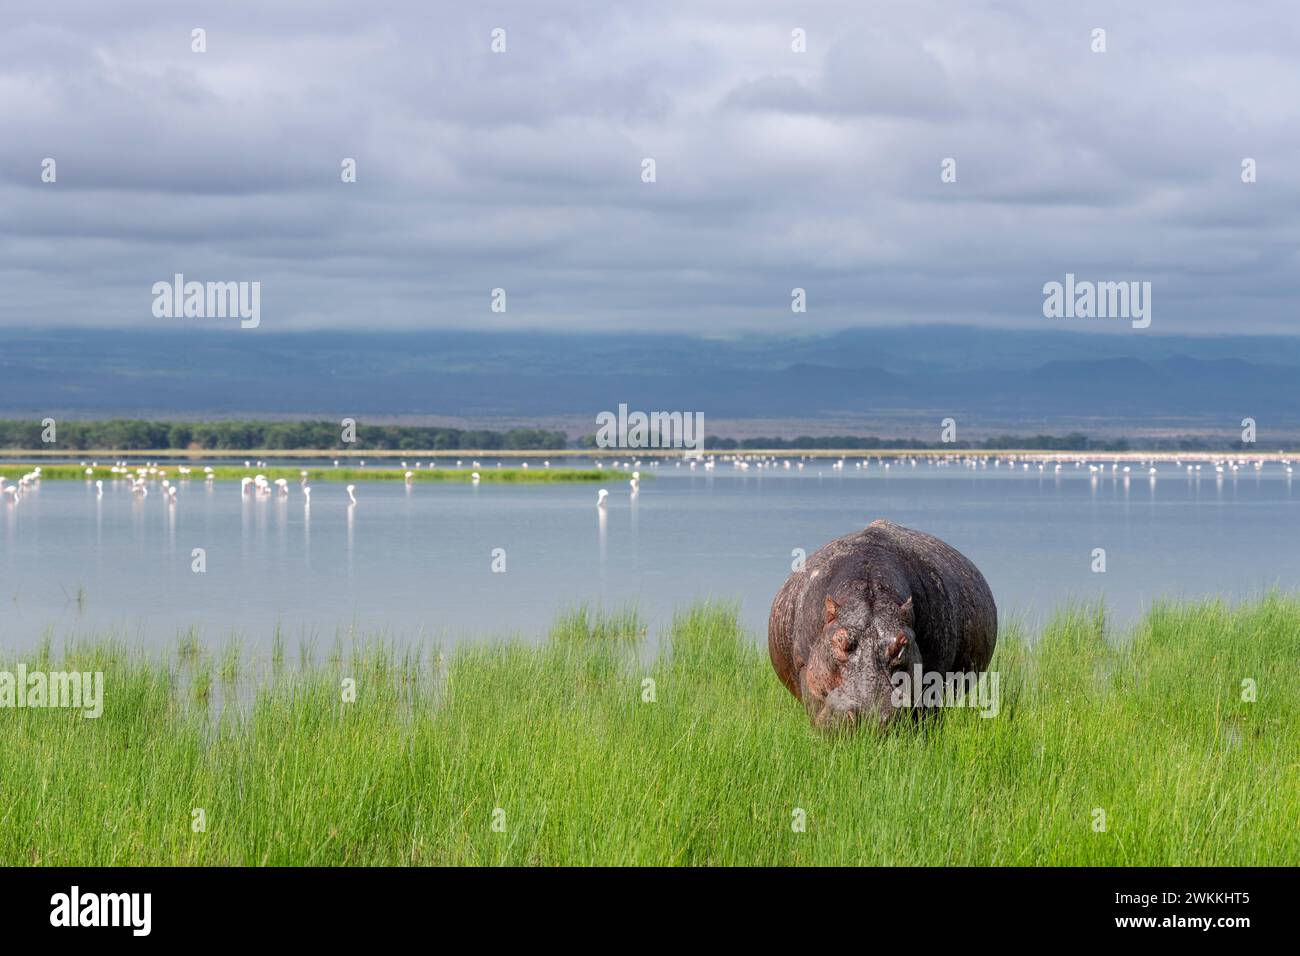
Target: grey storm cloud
775, 169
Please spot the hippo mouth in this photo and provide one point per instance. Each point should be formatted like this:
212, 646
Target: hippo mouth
823, 710
831, 715
840, 710
831, 718
827, 716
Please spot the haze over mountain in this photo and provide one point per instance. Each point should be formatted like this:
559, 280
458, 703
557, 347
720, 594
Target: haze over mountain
889, 382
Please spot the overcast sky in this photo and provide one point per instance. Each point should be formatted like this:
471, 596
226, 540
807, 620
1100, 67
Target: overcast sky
775, 169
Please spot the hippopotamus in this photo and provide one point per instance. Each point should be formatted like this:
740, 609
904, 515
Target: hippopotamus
869, 605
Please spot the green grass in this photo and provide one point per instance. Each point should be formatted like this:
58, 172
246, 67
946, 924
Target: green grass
536, 473
1150, 728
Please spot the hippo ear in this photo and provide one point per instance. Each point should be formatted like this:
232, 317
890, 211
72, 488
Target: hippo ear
831, 609
905, 609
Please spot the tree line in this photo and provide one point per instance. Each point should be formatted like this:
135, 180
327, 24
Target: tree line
127, 434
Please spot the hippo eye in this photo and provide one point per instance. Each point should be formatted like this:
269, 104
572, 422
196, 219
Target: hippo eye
896, 650
844, 643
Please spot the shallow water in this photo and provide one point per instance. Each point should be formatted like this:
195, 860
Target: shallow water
416, 562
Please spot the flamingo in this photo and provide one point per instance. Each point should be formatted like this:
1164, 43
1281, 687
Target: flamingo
474, 478
99, 489
352, 499
600, 498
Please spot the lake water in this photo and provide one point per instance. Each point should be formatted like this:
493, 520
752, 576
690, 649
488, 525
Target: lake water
417, 562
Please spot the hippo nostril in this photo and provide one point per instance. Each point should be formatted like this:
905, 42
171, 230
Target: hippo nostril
844, 644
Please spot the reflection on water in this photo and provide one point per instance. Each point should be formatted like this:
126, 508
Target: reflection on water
414, 561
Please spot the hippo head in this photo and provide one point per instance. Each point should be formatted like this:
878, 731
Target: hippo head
862, 644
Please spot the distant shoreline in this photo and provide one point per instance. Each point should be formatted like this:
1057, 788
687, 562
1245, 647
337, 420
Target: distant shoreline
411, 455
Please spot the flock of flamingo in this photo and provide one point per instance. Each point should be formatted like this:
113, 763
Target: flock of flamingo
140, 477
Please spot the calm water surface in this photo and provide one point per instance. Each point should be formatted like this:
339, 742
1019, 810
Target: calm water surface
416, 563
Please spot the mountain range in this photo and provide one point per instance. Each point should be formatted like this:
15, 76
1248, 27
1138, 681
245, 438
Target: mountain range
891, 381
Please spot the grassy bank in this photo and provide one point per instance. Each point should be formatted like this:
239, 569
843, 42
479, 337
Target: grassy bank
534, 473
559, 738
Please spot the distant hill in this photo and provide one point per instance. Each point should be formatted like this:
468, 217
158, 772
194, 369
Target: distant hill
872, 381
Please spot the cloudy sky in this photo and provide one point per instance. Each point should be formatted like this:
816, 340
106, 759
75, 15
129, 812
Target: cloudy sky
775, 168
